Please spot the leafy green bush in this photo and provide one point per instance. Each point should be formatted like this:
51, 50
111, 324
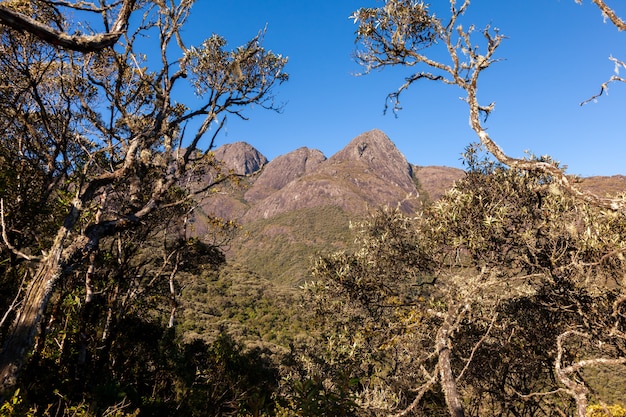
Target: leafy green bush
615, 410
492, 300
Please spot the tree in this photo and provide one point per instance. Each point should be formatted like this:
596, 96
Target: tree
494, 301
404, 32
101, 144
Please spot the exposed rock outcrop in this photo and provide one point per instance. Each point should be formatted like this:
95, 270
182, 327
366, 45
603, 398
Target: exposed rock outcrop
241, 157
283, 170
369, 172
379, 156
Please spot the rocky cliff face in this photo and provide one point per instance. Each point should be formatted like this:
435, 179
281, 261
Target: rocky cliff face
375, 154
368, 173
283, 170
240, 157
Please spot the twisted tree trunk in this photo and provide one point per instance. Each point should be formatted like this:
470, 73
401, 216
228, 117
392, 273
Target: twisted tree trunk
21, 335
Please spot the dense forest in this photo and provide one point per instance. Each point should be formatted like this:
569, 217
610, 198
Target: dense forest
505, 296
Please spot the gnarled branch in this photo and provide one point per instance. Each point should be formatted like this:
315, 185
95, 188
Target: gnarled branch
80, 43
380, 49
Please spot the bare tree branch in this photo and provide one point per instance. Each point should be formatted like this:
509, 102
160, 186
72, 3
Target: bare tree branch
80, 43
609, 13
5, 238
423, 389
476, 346
386, 38
605, 86
16, 301
578, 390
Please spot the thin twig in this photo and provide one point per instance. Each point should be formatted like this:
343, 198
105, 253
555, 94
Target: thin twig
5, 238
15, 301
476, 346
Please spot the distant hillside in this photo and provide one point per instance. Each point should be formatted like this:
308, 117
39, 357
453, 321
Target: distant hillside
300, 204
434, 181
604, 186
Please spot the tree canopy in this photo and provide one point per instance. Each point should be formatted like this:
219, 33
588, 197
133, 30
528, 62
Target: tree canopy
96, 148
499, 299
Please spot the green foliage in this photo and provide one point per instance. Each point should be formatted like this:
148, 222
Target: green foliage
247, 306
311, 398
13, 407
609, 382
615, 410
400, 25
507, 264
519, 221
280, 249
249, 68
149, 371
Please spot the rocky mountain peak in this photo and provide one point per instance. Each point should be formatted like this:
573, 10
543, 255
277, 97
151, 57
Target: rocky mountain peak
284, 169
241, 157
378, 153
369, 172
366, 146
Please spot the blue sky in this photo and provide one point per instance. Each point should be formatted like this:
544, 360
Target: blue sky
555, 56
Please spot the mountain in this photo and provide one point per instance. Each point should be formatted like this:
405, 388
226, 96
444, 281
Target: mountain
283, 170
434, 181
240, 157
302, 203
602, 185
367, 173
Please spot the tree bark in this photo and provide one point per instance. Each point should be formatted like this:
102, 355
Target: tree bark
173, 296
21, 335
80, 43
447, 379
448, 384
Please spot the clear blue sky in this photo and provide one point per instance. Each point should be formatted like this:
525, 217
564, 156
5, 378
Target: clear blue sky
556, 56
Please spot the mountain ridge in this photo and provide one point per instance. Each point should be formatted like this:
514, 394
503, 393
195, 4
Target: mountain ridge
301, 204
368, 172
